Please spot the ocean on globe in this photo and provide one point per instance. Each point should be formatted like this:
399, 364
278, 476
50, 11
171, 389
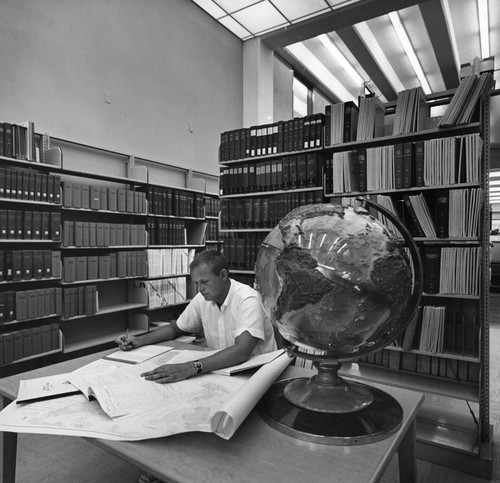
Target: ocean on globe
333, 278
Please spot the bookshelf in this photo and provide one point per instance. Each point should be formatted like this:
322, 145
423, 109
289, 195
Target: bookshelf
445, 351
87, 266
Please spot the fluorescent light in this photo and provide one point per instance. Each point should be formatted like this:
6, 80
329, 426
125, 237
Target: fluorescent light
340, 58
405, 41
366, 35
482, 7
316, 67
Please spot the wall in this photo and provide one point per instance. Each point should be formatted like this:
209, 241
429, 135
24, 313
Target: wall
158, 79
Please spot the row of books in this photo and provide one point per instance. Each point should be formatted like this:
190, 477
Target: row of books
436, 214
444, 328
92, 234
298, 171
28, 185
451, 160
464, 102
19, 141
20, 344
30, 225
411, 111
264, 211
100, 267
456, 213
436, 162
212, 206
174, 202
16, 265
78, 301
341, 123
98, 197
283, 136
212, 232
166, 232
164, 292
241, 251
452, 270
32, 304
169, 261
424, 364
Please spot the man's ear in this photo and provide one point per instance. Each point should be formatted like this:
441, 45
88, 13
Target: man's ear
224, 274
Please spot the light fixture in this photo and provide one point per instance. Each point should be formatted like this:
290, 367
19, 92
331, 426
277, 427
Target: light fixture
316, 67
412, 57
482, 8
337, 54
366, 35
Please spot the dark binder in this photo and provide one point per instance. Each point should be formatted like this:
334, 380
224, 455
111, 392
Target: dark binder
416, 228
419, 163
432, 268
407, 165
442, 206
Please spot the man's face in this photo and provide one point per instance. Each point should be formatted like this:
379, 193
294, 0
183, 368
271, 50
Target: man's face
211, 286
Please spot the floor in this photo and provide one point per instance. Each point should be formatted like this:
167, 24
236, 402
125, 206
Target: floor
57, 459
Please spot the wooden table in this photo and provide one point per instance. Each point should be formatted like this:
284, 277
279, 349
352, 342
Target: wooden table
257, 452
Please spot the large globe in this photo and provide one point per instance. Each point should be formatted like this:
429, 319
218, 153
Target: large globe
334, 279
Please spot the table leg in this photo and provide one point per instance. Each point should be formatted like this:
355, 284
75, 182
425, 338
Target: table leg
406, 456
8, 444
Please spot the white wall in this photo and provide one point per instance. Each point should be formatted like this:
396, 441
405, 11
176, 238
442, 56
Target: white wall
171, 75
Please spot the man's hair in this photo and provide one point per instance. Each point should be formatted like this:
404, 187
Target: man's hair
215, 260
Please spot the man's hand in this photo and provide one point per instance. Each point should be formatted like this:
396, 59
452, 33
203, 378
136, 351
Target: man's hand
170, 373
128, 343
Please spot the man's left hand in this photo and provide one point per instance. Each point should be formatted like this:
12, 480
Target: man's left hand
170, 373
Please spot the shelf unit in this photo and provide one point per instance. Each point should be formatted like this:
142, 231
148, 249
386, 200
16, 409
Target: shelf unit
461, 436
103, 232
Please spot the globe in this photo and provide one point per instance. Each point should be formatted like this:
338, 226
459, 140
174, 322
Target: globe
337, 285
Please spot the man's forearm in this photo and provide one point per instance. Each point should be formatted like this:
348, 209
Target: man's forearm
166, 332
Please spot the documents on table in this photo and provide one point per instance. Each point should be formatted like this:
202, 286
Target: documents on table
45, 388
253, 362
140, 354
209, 403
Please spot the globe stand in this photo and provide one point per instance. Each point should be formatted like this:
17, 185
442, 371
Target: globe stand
327, 392
327, 409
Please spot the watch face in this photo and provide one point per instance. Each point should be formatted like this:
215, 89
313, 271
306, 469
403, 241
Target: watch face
198, 366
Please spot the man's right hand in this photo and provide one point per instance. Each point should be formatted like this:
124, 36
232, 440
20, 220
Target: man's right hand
127, 342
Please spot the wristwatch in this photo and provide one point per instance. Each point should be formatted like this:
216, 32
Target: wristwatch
198, 366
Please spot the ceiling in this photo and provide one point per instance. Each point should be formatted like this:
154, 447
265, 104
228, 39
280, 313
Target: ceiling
386, 46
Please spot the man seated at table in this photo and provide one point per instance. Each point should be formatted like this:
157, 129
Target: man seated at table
228, 312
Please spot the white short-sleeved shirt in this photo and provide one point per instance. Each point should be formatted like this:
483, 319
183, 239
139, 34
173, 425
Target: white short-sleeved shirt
241, 311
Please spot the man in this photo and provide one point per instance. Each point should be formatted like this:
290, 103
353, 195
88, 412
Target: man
229, 313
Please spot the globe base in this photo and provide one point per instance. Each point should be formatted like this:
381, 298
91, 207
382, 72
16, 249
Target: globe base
375, 422
327, 392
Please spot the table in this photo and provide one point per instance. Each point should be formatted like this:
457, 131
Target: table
257, 452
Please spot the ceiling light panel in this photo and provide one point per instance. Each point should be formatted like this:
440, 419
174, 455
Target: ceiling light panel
340, 3
295, 10
235, 27
334, 64
316, 67
231, 6
422, 46
260, 17
211, 8
368, 38
465, 21
391, 46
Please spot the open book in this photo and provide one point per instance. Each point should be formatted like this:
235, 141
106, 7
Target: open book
144, 409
